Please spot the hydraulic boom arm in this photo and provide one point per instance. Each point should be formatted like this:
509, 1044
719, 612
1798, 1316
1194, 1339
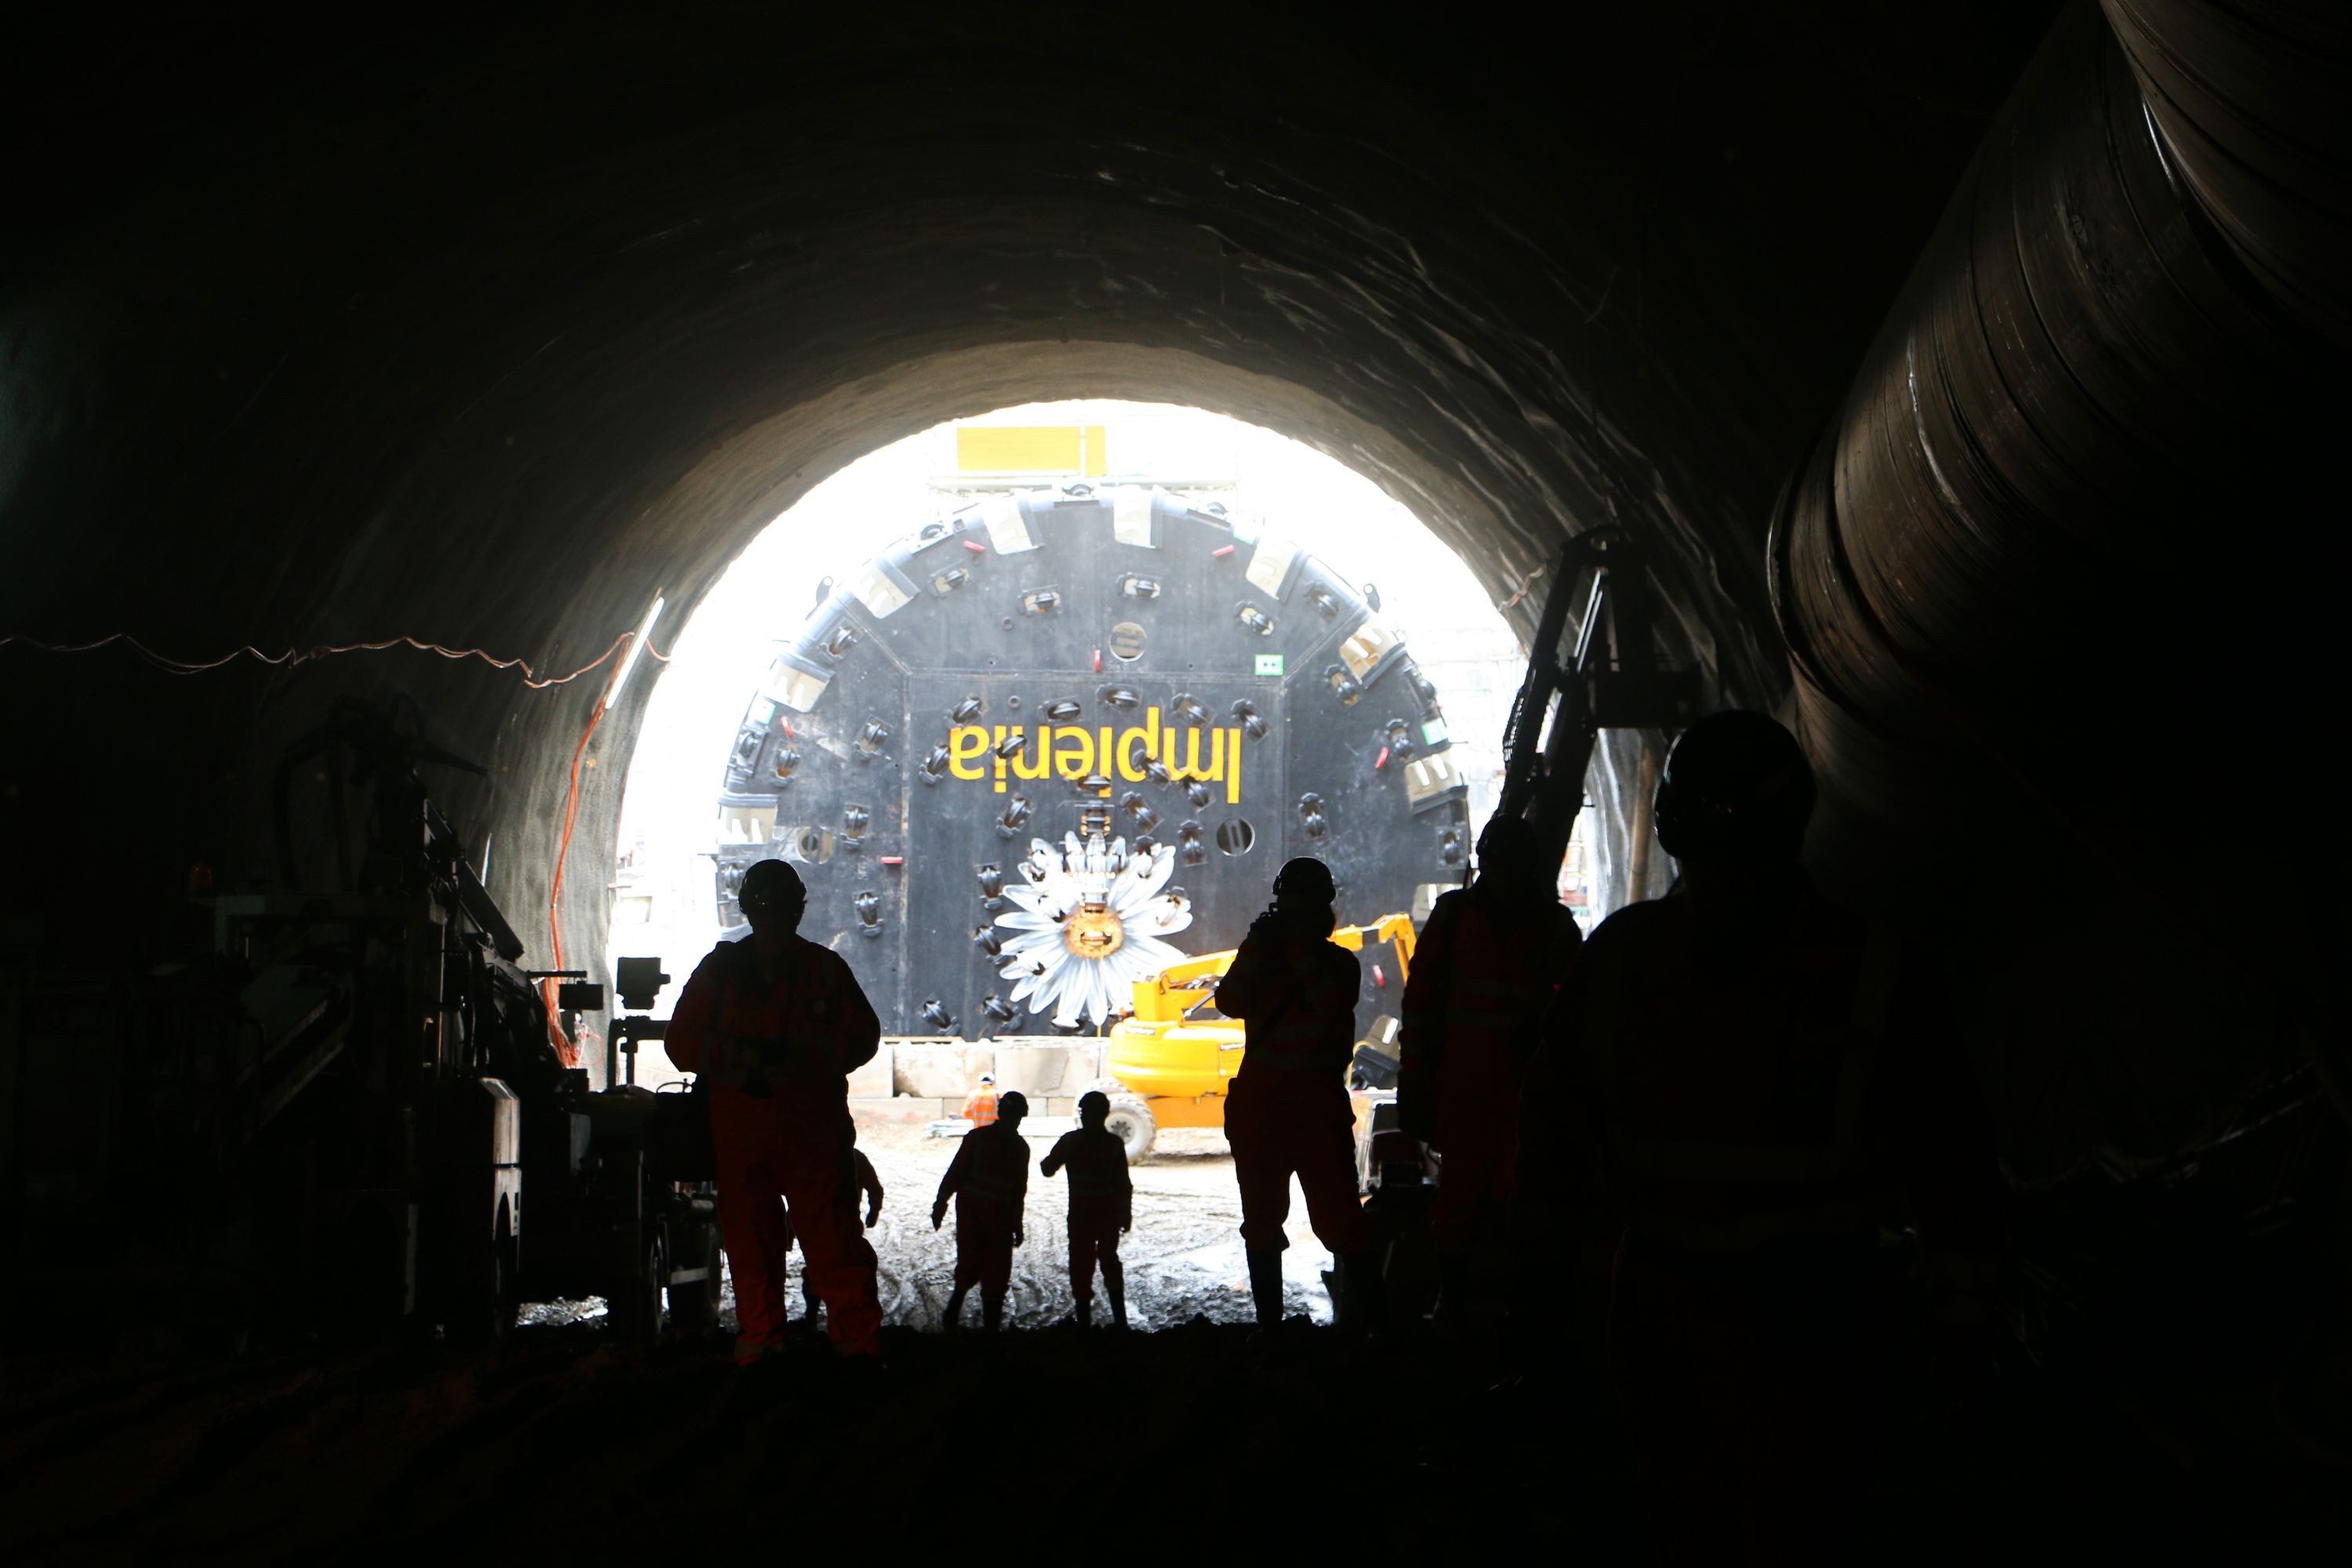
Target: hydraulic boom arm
1610, 678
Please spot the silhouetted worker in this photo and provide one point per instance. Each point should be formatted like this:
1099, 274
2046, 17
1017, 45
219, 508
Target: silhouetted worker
980, 1105
989, 1179
1490, 959
1102, 1205
775, 1024
1287, 1112
1760, 1079
869, 1187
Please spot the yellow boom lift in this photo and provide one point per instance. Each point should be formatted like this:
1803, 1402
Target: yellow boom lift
1170, 1069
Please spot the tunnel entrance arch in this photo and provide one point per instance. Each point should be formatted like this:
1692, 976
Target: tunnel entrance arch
1301, 510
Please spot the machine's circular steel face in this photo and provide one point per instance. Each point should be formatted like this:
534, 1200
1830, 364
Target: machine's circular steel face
1026, 757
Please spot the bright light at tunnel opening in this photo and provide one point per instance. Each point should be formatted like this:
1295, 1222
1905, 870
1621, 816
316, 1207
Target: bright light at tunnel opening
663, 903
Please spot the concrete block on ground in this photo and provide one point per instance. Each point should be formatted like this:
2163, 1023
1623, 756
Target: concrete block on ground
878, 1079
1045, 1068
942, 1069
903, 1108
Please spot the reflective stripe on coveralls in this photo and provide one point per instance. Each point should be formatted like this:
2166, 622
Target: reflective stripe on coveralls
1754, 1168
1497, 985
1303, 1036
989, 1179
767, 1158
1096, 1162
776, 1052
1472, 1011
1287, 1112
807, 1026
1101, 1194
1094, 1243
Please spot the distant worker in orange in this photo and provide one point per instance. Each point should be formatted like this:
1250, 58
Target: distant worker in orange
869, 1187
1491, 959
775, 1024
1287, 1112
988, 1180
1102, 1205
980, 1105
1755, 1086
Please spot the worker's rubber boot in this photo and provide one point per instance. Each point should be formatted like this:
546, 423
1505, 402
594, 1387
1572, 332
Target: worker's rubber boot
992, 1312
1265, 1286
1118, 1306
953, 1317
1083, 1314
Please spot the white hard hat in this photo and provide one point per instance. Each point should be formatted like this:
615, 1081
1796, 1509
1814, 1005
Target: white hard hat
988, 1077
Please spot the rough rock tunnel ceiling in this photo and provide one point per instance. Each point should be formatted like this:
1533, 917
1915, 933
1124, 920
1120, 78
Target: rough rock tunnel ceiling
482, 336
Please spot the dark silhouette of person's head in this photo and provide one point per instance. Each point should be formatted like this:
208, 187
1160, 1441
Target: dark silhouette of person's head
1094, 1108
1511, 862
1011, 1107
1736, 795
772, 898
1304, 893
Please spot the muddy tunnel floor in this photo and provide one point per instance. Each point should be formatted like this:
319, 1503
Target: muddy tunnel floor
1183, 1258
567, 1443
1192, 1438
1196, 1443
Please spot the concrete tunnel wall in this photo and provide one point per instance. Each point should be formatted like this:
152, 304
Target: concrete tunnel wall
481, 334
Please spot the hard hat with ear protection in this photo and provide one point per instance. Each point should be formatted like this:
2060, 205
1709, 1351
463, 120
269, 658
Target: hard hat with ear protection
1737, 787
1305, 881
771, 887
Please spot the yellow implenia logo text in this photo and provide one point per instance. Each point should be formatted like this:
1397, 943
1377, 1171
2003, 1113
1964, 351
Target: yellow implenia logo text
1071, 751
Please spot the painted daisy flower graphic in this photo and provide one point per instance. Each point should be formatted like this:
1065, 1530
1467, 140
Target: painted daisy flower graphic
1089, 923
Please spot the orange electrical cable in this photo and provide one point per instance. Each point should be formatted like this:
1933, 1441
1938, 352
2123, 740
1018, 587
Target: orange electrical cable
564, 1046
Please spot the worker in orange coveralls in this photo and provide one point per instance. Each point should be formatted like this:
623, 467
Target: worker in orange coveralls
869, 1187
1491, 957
980, 1105
775, 1024
988, 1180
1102, 1205
1755, 1085
1288, 1112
